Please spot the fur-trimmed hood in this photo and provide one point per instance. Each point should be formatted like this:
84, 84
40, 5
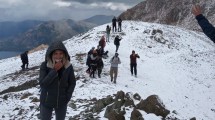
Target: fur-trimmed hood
58, 45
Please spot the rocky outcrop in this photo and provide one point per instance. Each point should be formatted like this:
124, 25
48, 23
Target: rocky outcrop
171, 12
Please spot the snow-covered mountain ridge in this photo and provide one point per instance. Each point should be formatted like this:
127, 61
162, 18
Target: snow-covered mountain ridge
176, 64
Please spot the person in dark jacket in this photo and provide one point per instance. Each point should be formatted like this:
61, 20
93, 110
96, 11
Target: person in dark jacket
114, 23
108, 29
133, 62
119, 20
89, 59
206, 26
24, 58
100, 66
57, 82
93, 63
117, 42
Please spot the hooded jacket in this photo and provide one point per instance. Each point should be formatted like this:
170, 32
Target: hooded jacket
56, 86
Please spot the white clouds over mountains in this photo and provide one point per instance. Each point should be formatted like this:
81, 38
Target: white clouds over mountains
16, 10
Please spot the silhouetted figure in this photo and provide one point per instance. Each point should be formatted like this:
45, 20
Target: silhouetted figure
119, 24
114, 23
24, 58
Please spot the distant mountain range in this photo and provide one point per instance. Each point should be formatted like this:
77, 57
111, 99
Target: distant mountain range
25, 35
171, 12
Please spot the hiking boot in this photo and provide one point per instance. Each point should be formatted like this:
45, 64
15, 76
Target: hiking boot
111, 80
114, 82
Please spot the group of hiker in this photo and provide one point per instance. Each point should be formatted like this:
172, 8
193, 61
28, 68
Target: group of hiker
95, 56
57, 78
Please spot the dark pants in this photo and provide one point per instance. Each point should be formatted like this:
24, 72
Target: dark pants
119, 28
89, 67
93, 67
99, 71
133, 66
23, 65
46, 112
117, 47
114, 27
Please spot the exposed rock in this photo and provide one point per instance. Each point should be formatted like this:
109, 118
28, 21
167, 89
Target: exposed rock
115, 116
5, 97
72, 105
25, 95
171, 12
136, 115
35, 99
193, 118
153, 104
136, 96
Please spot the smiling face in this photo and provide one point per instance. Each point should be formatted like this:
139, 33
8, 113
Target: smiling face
58, 55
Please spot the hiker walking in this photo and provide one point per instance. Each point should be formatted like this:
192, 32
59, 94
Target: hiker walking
119, 20
93, 63
117, 42
108, 29
102, 42
133, 63
114, 23
100, 66
89, 59
57, 82
115, 60
24, 58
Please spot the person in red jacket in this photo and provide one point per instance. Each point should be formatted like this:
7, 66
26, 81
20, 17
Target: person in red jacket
102, 42
133, 62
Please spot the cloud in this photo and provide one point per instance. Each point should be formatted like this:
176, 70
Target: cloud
17, 10
62, 4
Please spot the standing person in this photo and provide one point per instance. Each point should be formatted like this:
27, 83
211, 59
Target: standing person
93, 63
102, 42
117, 42
108, 29
57, 82
206, 26
133, 62
115, 60
119, 24
89, 59
114, 23
24, 58
100, 66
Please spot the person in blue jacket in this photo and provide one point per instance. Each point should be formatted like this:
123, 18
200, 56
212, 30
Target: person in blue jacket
57, 82
206, 26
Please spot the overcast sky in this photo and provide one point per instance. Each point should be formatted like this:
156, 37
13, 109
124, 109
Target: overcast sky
18, 10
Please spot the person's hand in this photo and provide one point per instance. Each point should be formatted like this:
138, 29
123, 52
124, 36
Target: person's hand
196, 10
58, 65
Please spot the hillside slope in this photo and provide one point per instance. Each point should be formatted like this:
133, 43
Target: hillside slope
175, 64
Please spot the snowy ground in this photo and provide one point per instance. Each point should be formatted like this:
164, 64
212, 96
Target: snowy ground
181, 71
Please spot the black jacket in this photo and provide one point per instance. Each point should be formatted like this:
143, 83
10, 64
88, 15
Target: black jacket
56, 86
207, 28
24, 57
117, 41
